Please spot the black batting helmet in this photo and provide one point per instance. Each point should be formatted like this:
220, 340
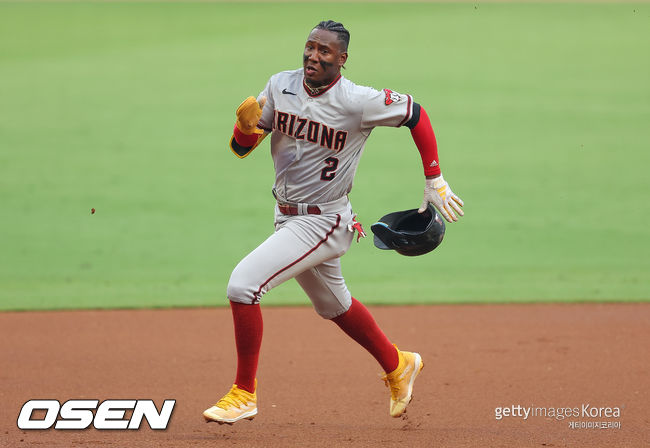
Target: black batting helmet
409, 232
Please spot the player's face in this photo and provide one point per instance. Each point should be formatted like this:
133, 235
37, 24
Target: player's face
323, 57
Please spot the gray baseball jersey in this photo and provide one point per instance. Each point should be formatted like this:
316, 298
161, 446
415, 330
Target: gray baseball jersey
317, 139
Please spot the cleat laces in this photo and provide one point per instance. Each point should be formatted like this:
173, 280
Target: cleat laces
236, 397
393, 386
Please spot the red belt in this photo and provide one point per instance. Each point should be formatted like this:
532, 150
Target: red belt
293, 210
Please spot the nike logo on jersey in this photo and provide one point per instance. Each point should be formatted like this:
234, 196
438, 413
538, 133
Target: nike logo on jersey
312, 131
286, 92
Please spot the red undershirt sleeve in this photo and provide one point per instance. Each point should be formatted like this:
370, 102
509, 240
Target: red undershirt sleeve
244, 140
242, 144
425, 140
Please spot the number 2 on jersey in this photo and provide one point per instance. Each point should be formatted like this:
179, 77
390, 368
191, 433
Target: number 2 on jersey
329, 171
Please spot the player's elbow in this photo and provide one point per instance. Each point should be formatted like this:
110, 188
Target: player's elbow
415, 117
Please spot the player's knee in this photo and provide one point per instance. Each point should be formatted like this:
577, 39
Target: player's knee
331, 309
324, 314
328, 314
239, 290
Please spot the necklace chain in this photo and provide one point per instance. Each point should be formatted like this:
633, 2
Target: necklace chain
315, 90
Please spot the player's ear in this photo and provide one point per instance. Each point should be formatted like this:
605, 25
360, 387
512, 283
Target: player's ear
342, 59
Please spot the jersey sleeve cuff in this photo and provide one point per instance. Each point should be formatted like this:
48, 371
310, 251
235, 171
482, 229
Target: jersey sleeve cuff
409, 111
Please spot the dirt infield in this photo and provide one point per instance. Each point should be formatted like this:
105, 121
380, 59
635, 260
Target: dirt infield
317, 388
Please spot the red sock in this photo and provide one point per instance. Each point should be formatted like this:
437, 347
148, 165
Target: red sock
248, 338
358, 323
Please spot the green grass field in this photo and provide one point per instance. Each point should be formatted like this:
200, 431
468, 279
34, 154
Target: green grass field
541, 112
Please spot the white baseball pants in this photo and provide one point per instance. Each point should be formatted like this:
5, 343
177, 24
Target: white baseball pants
307, 248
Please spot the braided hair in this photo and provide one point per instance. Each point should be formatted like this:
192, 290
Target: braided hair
339, 29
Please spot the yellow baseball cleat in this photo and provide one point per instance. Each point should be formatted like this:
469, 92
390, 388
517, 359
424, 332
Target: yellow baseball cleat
400, 381
238, 404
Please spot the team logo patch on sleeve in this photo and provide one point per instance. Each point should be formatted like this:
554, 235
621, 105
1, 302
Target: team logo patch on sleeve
391, 97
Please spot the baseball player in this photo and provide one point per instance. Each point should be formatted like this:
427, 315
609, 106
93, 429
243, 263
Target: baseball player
319, 122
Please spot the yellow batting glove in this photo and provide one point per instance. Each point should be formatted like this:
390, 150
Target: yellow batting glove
437, 192
248, 115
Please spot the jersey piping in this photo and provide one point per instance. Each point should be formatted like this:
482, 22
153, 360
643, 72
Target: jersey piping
257, 295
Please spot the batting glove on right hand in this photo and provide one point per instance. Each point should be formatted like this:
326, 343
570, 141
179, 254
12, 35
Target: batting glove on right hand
248, 114
437, 192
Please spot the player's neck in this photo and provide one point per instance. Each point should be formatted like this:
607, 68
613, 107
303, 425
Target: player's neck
316, 88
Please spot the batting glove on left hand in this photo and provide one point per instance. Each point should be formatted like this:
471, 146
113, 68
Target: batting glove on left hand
248, 114
437, 192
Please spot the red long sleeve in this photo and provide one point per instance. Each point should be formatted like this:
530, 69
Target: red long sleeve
425, 140
244, 140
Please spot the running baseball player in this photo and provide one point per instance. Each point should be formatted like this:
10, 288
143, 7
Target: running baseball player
319, 123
